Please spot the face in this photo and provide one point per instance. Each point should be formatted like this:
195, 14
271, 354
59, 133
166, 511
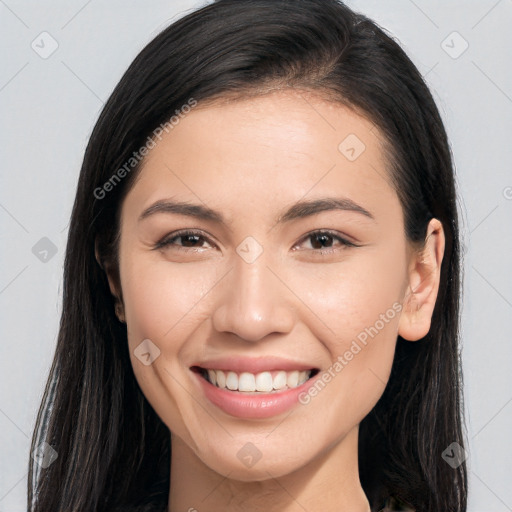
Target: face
262, 245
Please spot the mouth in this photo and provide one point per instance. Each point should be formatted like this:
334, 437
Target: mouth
265, 382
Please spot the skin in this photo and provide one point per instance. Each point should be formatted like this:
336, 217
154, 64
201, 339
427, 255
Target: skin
250, 160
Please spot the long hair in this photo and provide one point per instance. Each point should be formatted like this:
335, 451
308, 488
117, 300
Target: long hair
113, 451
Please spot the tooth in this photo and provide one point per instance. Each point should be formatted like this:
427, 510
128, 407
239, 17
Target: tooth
303, 377
232, 381
246, 382
279, 380
212, 377
292, 379
264, 381
221, 379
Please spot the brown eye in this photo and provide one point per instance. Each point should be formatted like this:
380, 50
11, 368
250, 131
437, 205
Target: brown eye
189, 240
184, 239
327, 240
321, 240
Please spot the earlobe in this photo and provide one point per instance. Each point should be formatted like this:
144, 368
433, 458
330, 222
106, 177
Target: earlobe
97, 255
105, 268
112, 283
423, 285
119, 311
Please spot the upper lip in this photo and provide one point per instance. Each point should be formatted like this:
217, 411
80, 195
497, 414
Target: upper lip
253, 365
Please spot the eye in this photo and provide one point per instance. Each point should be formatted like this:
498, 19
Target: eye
185, 239
325, 242
322, 242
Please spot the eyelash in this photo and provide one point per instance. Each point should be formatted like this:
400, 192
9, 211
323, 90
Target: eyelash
168, 241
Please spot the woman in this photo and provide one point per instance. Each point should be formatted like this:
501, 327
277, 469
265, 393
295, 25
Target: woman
261, 290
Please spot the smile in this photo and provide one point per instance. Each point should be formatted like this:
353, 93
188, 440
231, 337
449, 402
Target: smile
263, 382
253, 389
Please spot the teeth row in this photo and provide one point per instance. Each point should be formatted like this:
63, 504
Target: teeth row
258, 382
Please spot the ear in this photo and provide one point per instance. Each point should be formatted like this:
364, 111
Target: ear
424, 275
111, 277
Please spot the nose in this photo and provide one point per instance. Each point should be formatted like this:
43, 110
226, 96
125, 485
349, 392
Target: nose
254, 302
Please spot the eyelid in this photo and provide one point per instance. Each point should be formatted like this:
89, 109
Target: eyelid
345, 242
182, 232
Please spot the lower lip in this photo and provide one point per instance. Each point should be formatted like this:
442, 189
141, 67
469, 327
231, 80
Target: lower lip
243, 405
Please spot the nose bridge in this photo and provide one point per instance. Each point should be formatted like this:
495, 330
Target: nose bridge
254, 302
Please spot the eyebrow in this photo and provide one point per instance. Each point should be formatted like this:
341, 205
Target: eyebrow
301, 209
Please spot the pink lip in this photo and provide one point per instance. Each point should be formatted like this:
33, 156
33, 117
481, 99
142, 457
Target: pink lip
249, 406
253, 365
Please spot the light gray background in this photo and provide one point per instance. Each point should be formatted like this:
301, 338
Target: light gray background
49, 106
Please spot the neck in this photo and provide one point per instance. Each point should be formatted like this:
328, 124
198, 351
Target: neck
329, 483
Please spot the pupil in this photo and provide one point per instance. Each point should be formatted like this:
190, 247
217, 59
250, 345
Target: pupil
323, 240
188, 238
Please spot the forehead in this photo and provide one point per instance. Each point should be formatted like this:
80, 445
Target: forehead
267, 150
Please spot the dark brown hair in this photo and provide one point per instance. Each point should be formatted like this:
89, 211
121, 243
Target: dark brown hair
113, 450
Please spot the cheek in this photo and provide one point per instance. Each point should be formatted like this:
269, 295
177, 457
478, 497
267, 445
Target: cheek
161, 297
354, 295
164, 303
359, 303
